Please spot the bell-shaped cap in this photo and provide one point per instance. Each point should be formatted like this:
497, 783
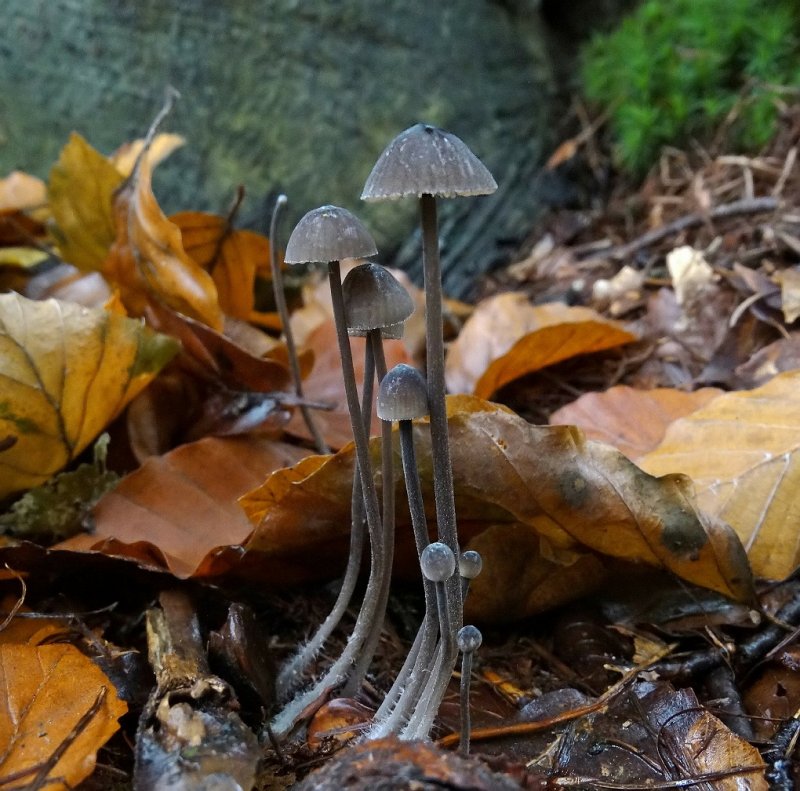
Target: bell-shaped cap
425, 160
373, 299
402, 394
326, 234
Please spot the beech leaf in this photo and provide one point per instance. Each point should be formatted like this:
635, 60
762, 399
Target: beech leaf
147, 260
507, 337
742, 451
633, 421
65, 373
574, 495
49, 690
81, 189
176, 509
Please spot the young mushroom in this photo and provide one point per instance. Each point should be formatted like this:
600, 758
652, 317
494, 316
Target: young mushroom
470, 565
469, 641
426, 163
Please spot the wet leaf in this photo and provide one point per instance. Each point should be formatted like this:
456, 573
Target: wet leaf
65, 373
175, 509
147, 261
49, 690
633, 421
575, 497
232, 257
743, 453
507, 337
81, 189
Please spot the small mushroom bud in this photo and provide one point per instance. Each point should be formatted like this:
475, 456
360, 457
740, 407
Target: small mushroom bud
469, 566
402, 395
438, 562
374, 299
469, 641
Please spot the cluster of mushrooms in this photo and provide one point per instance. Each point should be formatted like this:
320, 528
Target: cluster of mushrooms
426, 163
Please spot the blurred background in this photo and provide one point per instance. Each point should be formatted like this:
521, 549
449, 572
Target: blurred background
301, 97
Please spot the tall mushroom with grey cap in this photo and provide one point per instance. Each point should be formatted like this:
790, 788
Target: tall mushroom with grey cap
327, 235
426, 163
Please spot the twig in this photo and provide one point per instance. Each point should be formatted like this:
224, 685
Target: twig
18, 603
747, 206
686, 782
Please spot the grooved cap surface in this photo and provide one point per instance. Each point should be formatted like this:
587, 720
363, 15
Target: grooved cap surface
373, 298
425, 160
402, 394
326, 234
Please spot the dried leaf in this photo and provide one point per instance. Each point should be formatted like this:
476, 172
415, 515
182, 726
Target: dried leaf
49, 690
175, 509
147, 261
82, 185
743, 453
20, 191
507, 337
232, 257
574, 495
790, 293
160, 147
633, 421
65, 373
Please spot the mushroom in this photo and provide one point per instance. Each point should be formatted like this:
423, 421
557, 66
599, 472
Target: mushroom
426, 162
283, 312
469, 641
374, 301
328, 234
403, 396
469, 566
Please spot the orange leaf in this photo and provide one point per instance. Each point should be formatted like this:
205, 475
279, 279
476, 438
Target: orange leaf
147, 261
232, 257
19, 191
177, 508
49, 689
507, 337
633, 421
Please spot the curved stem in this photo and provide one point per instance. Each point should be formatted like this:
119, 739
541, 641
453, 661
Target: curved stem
283, 312
374, 345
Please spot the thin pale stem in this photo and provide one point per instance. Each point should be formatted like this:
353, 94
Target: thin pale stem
283, 312
374, 347
466, 672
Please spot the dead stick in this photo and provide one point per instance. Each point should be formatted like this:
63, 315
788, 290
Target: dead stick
745, 206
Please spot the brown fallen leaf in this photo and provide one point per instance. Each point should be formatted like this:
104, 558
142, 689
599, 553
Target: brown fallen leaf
51, 690
324, 384
231, 256
633, 421
176, 509
576, 496
65, 373
507, 337
742, 451
147, 261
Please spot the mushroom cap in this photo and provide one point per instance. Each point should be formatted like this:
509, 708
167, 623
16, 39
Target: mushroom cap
326, 234
425, 160
402, 394
470, 564
373, 298
469, 639
438, 562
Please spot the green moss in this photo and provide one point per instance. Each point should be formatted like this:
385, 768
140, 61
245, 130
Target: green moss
677, 70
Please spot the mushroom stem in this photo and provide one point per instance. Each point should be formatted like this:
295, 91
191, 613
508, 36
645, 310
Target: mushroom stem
283, 312
374, 349
469, 641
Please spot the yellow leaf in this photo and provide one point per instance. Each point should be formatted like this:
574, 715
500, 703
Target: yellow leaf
65, 373
81, 188
48, 691
742, 451
161, 146
147, 260
507, 337
23, 257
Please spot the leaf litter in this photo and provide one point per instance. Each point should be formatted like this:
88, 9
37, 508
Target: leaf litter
706, 300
